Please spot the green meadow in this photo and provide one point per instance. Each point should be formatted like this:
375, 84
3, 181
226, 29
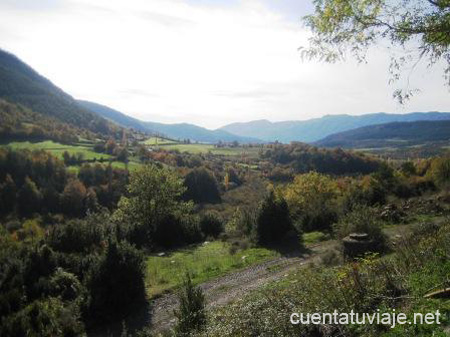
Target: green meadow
204, 262
58, 149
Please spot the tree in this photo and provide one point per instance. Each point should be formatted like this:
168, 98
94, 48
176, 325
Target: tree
440, 170
202, 186
110, 146
29, 197
7, 195
116, 283
191, 313
421, 28
273, 220
73, 197
211, 224
154, 193
312, 200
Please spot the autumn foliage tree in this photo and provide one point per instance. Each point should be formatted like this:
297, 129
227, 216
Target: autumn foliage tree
312, 200
73, 197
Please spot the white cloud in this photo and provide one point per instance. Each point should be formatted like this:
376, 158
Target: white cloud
191, 61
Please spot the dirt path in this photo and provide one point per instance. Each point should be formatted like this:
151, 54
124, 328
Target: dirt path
232, 286
225, 289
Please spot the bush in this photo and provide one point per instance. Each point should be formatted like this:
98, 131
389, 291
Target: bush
211, 224
273, 220
116, 282
44, 318
78, 236
242, 223
191, 313
174, 231
362, 219
331, 258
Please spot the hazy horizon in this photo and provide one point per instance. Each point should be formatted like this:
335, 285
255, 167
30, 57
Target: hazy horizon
203, 62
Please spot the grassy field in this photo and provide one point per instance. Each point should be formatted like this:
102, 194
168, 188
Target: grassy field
205, 148
158, 141
204, 262
58, 150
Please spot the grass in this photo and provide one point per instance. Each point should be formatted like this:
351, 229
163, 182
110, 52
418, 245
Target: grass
417, 266
204, 262
58, 149
314, 237
205, 148
158, 141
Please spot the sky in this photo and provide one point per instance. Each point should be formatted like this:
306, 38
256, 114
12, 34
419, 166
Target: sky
206, 62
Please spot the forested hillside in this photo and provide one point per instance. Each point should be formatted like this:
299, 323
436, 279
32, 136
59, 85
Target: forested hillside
391, 134
20, 84
20, 123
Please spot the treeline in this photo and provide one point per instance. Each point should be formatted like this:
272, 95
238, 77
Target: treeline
302, 158
37, 182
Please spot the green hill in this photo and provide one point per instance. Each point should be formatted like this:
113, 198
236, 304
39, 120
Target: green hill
20, 84
174, 131
391, 135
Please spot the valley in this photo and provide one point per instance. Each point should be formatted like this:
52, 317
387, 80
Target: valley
114, 226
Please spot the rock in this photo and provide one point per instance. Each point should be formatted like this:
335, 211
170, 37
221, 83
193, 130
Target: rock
358, 244
161, 254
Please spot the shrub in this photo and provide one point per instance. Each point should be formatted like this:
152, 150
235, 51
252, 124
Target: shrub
440, 170
362, 219
191, 313
273, 220
211, 224
116, 282
332, 257
175, 231
242, 223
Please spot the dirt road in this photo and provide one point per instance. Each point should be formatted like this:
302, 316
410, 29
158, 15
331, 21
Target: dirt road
232, 286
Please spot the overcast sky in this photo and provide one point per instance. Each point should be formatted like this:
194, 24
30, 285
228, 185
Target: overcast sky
207, 62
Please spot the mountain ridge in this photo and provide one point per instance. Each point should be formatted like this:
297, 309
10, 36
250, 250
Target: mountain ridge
176, 130
315, 129
390, 134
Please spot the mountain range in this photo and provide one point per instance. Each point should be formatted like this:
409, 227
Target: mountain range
21, 86
313, 130
176, 131
397, 134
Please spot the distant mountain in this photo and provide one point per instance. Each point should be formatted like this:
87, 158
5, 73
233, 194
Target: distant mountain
390, 135
176, 131
315, 129
20, 84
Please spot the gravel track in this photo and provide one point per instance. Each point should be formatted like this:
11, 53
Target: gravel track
225, 289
